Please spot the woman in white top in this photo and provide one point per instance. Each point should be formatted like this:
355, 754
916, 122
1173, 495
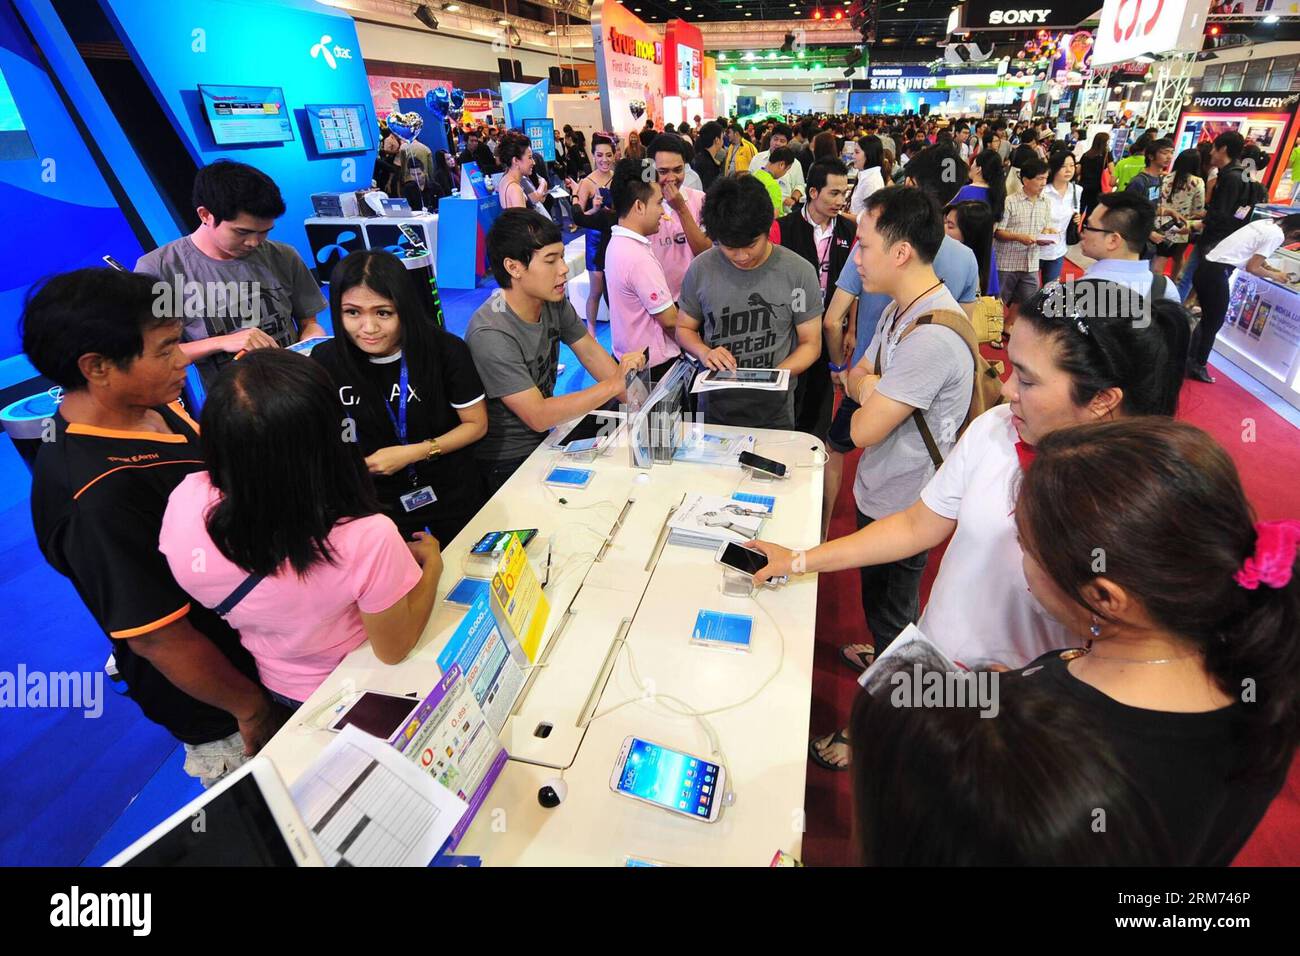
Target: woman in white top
873, 175
1064, 202
1077, 356
853, 158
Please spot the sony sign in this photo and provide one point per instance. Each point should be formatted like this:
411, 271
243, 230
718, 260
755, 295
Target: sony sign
997, 17
1006, 15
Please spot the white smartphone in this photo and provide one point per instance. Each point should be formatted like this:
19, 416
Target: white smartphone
249, 819
745, 560
669, 779
376, 712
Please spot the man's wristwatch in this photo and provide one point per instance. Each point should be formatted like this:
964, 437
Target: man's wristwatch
434, 449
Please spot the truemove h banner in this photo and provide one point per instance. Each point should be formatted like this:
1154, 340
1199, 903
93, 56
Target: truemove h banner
630, 63
1134, 28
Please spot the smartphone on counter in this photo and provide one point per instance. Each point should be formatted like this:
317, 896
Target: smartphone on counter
759, 463
687, 785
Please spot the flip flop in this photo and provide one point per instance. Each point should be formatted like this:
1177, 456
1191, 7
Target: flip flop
855, 658
836, 738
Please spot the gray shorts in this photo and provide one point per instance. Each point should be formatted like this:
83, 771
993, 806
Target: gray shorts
211, 761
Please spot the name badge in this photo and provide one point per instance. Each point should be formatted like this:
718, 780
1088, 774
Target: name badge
418, 498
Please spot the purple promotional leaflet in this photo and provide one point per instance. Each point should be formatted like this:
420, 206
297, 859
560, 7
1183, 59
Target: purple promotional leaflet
450, 738
483, 653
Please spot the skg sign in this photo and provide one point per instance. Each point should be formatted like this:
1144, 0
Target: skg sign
1133, 28
1001, 15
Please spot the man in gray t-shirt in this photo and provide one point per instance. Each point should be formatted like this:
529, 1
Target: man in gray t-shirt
235, 288
511, 356
748, 303
515, 339
927, 368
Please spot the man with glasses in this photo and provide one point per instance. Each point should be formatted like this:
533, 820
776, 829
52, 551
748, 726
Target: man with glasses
1114, 234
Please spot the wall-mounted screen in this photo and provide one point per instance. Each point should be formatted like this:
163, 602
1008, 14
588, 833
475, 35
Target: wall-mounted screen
341, 128
246, 114
14, 141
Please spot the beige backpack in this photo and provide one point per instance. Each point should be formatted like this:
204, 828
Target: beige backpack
986, 388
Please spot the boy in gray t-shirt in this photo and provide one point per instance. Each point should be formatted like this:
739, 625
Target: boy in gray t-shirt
515, 339
235, 288
748, 303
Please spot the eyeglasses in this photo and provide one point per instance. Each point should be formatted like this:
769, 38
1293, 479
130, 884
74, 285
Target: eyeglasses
1087, 228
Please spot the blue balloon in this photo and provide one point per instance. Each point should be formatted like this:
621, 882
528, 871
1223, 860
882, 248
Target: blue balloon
438, 101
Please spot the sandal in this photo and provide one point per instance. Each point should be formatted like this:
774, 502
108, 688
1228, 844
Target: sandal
857, 659
836, 738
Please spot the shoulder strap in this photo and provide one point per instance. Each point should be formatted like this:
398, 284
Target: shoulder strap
960, 324
1158, 285
238, 594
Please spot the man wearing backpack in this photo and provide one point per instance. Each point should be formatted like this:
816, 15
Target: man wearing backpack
914, 384
1228, 209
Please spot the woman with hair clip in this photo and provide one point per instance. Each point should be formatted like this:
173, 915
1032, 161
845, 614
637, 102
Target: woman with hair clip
592, 208
412, 393
1077, 354
1018, 790
971, 223
1188, 610
293, 549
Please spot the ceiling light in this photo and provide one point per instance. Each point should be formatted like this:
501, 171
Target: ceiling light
748, 14
1271, 19
502, 22
451, 7
552, 33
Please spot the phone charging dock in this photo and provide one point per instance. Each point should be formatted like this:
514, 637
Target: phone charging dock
735, 584
759, 475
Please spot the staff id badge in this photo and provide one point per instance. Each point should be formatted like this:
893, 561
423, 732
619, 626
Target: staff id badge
418, 498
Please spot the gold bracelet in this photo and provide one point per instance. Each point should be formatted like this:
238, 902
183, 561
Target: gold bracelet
434, 449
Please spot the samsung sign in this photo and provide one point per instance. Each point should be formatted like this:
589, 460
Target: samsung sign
901, 78
1004, 15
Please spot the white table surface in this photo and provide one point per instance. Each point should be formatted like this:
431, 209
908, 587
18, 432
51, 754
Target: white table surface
763, 741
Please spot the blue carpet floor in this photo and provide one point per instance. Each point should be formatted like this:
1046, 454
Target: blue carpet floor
76, 790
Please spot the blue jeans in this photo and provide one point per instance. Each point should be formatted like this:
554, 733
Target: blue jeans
1189, 270
1051, 269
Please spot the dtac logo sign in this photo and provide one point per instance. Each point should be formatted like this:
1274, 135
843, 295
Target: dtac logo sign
631, 46
997, 17
1131, 18
330, 55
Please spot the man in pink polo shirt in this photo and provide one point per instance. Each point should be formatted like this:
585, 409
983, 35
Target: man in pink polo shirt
680, 238
642, 309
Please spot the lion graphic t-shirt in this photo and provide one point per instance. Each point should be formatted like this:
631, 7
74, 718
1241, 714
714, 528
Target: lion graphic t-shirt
752, 313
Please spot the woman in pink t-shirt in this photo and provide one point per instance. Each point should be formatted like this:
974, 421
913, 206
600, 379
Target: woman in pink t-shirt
283, 534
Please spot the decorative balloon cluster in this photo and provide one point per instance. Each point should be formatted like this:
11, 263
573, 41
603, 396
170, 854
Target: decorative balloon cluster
445, 104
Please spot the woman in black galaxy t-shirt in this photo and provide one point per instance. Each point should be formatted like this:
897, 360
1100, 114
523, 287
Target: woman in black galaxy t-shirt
411, 392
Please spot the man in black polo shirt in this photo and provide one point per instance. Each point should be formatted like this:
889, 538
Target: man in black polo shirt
818, 232
118, 446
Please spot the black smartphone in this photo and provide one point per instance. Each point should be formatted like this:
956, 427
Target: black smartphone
759, 463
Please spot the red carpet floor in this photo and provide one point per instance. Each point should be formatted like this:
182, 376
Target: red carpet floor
1266, 449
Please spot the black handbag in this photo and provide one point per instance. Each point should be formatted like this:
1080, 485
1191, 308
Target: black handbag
1072, 231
